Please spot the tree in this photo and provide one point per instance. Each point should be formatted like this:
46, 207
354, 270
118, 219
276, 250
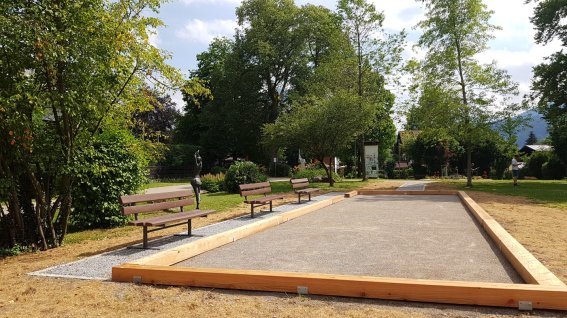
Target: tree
455, 31
274, 47
532, 139
69, 69
156, 124
550, 77
373, 48
321, 127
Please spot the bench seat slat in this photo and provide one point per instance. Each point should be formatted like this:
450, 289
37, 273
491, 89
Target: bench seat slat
156, 206
250, 186
136, 198
174, 217
256, 191
299, 185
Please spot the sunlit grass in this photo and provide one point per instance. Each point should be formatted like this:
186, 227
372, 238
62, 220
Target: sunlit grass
549, 192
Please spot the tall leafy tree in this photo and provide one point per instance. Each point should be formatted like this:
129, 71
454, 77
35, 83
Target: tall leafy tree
69, 69
273, 46
454, 32
549, 85
376, 52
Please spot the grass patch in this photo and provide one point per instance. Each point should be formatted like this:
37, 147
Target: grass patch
158, 184
550, 192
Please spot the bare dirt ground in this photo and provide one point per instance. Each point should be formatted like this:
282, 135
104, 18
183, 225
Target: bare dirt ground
540, 229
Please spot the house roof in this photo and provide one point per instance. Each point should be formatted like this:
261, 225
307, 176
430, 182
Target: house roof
532, 148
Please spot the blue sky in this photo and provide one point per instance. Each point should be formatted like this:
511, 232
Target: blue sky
192, 24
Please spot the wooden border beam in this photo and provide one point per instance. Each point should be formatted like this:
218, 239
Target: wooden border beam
545, 290
451, 292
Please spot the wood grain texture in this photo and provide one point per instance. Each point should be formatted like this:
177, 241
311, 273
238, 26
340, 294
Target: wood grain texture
531, 269
469, 293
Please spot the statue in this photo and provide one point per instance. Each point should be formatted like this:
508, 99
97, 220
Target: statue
196, 181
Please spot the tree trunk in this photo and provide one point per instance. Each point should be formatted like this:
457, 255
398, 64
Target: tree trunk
469, 165
328, 171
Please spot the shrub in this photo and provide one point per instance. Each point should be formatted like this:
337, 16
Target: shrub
535, 162
217, 170
280, 170
314, 175
553, 169
112, 167
213, 182
241, 173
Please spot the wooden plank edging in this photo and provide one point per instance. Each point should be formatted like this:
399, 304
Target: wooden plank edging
529, 267
466, 293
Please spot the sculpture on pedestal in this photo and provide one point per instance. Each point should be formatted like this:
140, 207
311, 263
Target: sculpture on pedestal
196, 181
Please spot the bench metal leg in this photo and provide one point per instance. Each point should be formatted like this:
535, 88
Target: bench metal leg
270, 206
252, 210
189, 227
298, 198
145, 244
309, 196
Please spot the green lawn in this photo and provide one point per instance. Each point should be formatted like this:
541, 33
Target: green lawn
549, 192
223, 201
157, 184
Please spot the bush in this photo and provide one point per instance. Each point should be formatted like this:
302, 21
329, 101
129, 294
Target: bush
110, 168
315, 175
402, 174
213, 182
241, 173
217, 170
553, 169
280, 170
535, 162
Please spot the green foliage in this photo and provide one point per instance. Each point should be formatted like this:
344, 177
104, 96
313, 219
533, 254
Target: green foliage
180, 155
550, 77
553, 169
110, 168
241, 173
455, 32
14, 251
535, 162
315, 175
213, 182
217, 170
279, 169
402, 173
70, 70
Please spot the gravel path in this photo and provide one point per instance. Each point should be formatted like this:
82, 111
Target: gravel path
99, 267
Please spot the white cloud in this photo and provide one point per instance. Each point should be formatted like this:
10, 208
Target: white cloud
153, 37
204, 32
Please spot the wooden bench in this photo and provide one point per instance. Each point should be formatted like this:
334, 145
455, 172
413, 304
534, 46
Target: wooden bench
155, 202
301, 186
258, 188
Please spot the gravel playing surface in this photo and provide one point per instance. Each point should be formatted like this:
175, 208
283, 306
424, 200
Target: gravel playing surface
100, 266
423, 237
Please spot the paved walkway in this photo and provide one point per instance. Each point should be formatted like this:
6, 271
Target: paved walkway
418, 185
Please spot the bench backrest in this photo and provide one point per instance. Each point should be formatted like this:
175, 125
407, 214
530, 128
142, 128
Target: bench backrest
154, 202
299, 183
254, 188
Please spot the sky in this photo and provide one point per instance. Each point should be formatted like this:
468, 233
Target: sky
190, 25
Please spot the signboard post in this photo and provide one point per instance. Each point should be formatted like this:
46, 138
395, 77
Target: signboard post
371, 160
